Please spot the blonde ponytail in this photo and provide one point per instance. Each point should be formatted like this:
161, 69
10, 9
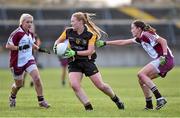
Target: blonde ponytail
87, 20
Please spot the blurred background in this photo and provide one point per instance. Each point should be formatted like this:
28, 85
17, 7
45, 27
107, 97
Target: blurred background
113, 16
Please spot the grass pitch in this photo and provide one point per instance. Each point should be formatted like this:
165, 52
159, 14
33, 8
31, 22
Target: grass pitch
65, 104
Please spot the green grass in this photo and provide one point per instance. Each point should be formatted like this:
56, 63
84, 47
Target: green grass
65, 104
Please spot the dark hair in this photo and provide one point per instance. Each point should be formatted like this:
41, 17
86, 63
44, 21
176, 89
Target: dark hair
143, 26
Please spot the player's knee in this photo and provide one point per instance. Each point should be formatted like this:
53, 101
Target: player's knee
37, 82
140, 82
140, 75
75, 87
19, 86
36, 78
103, 86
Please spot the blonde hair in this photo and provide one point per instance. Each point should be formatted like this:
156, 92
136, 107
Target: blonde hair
87, 19
23, 17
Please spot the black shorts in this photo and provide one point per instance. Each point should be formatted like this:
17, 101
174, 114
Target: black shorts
85, 66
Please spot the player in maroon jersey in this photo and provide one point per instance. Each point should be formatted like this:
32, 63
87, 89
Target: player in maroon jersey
64, 63
20, 44
157, 49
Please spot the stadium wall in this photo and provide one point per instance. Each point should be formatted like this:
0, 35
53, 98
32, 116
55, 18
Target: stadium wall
107, 56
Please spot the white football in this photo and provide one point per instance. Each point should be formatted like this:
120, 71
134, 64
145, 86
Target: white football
61, 48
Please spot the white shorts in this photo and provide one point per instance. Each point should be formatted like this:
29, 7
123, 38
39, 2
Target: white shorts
28, 70
156, 64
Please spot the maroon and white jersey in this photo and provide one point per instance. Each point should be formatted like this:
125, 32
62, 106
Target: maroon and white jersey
148, 40
19, 38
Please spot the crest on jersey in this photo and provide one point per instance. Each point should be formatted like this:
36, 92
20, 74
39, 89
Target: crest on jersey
78, 41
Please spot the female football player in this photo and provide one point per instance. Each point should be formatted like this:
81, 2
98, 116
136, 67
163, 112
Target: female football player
157, 49
64, 63
20, 44
81, 57
34, 52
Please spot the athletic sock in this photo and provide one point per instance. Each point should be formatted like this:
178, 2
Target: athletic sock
156, 92
149, 103
40, 98
115, 99
13, 96
88, 106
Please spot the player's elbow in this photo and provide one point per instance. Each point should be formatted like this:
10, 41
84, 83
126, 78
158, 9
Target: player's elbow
7, 46
162, 40
90, 52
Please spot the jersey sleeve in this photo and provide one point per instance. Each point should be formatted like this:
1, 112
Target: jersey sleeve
92, 40
33, 39
151, 36
136, 40
156, 36
12, 38
63, 36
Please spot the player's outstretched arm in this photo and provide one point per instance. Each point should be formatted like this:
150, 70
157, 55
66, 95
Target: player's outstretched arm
44, 50
101, 43
120, 42
40, 49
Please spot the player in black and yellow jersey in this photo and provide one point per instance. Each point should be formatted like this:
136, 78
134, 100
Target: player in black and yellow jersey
81, 57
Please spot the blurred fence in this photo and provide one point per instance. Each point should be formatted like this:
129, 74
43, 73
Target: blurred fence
50, 22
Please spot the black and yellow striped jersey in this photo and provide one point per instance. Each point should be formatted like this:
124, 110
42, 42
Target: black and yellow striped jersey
79, 42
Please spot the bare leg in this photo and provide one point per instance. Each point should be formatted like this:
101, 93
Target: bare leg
38, 87
24, 78
31, 83
37, 82
145, 76
15, 88
63, 75
75, 80
147, 92
98, 82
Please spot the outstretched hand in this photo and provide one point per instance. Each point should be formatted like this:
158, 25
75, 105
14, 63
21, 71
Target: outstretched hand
100, 43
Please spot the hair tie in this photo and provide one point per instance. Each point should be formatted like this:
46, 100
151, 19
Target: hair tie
146, 27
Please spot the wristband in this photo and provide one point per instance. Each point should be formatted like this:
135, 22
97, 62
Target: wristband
75, 53
104, 43
19, 48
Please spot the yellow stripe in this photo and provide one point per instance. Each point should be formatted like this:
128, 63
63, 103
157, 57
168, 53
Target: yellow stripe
178, 24
136, 13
